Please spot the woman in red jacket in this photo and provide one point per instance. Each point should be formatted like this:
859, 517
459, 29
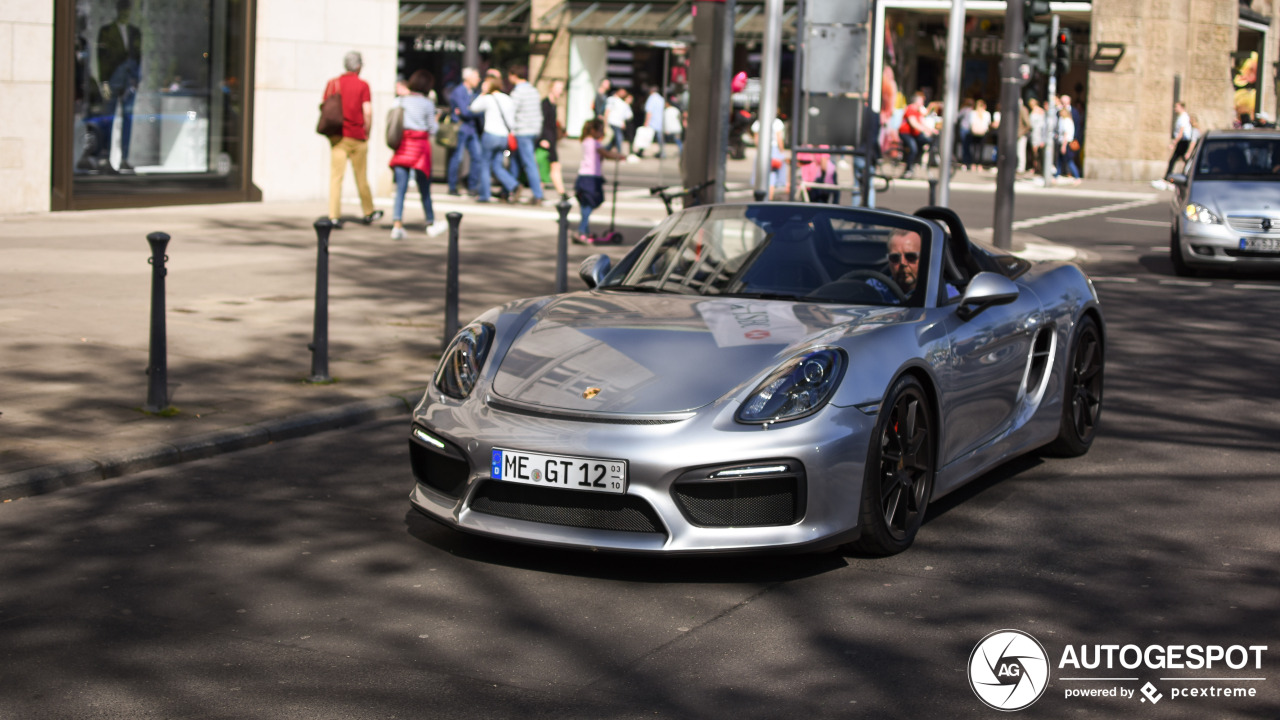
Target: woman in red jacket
414, 154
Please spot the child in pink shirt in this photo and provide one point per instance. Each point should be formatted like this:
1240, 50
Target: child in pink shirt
589, 188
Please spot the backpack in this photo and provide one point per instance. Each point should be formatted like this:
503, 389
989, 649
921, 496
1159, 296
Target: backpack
395, 127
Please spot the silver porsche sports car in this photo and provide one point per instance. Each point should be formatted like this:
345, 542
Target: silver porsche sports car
759, 376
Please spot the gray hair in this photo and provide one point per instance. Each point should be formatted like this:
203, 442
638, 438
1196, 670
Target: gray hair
352, 61
470, 72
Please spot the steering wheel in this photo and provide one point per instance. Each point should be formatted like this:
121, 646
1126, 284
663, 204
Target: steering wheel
883, 279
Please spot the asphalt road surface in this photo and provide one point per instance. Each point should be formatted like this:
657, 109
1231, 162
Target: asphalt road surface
292, 580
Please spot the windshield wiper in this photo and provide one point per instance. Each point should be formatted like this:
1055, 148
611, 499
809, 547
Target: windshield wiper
641, 288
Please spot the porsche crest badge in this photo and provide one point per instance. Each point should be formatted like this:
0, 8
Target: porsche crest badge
590, 393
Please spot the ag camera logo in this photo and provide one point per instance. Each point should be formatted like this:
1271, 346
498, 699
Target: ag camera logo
1008, 670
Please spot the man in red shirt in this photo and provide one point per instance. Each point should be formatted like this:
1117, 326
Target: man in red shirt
357, 118
916, 136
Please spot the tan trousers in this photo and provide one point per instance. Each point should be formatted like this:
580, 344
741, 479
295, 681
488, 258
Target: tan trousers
357, 151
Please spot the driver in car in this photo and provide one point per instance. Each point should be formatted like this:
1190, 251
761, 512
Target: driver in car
904, 266
904, 259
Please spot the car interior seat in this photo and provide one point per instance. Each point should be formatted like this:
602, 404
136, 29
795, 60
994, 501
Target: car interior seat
958, 264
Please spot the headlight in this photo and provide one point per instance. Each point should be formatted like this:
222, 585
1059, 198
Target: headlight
799, 387
1196, 212
460, 366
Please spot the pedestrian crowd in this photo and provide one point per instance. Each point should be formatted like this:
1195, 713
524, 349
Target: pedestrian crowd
507, 133
912, 133
496, 128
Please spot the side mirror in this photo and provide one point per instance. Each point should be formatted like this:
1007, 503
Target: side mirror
594, 269
1179, 179
985, 290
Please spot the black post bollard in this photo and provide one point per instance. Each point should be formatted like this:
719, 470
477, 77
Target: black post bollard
562, 247
451, 281
157, 367
933, 191
320, 333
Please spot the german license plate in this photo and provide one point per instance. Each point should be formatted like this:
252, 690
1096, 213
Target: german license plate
562, 471
1265, 245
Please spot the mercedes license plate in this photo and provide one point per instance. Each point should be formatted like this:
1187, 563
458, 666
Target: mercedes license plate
1265, 245
562, 471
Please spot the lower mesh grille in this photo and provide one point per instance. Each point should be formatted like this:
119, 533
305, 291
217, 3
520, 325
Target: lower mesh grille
740, 503
597, 511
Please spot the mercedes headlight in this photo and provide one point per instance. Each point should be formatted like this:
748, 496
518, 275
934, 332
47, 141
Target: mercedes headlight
798, 388
460, 366
1196, 212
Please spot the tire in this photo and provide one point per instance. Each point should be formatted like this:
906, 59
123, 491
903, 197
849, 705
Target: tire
1082, 394
900, 469
1180, 266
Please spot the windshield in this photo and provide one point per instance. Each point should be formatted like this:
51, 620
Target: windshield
819, 253
1239, 159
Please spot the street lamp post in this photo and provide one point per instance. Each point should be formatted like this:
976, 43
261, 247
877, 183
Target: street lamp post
770, 76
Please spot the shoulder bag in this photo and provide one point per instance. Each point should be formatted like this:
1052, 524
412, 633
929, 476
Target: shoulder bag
330, 123
512, 144
447, 133
395, 126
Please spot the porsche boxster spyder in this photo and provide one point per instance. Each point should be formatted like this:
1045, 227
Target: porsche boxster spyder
755, 377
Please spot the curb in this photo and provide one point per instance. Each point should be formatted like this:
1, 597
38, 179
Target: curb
49, 478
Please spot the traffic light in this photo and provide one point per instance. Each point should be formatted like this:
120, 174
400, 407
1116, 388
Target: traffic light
1035, 35
1062, 52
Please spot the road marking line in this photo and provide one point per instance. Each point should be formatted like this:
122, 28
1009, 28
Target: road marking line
1160, 248
1116, 247
1087, 212
1105, 279
1250, 286
1131, 221
1187, 283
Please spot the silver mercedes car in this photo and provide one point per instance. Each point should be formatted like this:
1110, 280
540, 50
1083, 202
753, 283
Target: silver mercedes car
1226, 205
758, 377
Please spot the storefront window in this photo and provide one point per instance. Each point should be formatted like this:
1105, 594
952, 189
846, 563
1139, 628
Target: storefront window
158, 98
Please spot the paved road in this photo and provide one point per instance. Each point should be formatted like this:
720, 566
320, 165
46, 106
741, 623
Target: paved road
291, 581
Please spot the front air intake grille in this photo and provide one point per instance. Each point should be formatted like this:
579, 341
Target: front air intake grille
444, 469
596, 511
750, 502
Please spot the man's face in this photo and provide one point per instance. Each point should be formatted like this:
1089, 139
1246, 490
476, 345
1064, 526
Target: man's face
904, 259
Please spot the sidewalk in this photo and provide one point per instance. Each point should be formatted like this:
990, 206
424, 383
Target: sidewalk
240, 300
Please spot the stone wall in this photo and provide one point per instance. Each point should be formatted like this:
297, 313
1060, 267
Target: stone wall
26, 114
300, 45
1130, 110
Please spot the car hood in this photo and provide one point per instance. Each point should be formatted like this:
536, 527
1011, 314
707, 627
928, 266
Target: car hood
1231, 197
619, 352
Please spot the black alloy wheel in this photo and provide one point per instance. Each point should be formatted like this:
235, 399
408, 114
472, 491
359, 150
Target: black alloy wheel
1082, 403
900, 471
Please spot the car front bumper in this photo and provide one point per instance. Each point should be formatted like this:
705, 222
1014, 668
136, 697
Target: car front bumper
1219, 245
671, 504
